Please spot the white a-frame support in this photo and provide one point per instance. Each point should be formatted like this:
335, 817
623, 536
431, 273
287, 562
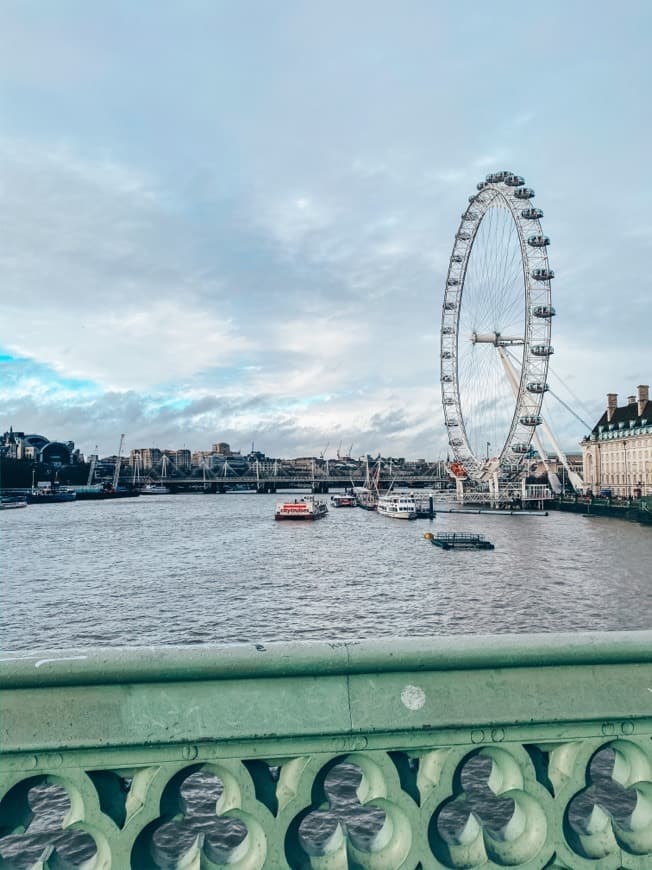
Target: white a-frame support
555, 483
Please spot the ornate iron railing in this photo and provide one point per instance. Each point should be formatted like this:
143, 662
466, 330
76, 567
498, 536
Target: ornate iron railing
484, 752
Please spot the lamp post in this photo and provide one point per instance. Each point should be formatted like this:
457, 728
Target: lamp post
488, 446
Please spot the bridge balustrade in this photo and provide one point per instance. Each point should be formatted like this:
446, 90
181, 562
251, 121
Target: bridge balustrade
483, 752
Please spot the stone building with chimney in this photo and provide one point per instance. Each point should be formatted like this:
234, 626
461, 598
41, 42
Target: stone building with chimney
618, 453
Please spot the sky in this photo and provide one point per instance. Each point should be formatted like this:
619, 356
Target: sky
232, 221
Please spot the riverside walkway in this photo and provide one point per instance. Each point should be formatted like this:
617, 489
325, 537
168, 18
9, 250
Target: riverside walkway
470, 752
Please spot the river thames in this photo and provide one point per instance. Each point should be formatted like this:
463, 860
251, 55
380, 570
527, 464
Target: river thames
195, 569
189, 569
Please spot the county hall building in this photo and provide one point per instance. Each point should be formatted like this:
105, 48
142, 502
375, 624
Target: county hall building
618, 452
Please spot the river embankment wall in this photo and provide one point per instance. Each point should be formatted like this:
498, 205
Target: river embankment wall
637, 511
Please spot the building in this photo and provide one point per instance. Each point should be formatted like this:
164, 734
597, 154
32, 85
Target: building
618, 452
181, 460
38, 448
145, 457
222, 448
540, 469
9, 444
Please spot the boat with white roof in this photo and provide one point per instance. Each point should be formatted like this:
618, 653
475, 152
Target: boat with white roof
399, 505
306, 508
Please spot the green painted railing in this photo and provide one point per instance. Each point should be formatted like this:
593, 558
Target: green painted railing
483, 752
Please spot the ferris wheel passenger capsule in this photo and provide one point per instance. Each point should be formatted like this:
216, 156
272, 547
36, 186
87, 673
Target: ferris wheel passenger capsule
538, 241
523, 193
463, 237
542, 274
452, 282
452, 423
532, 214
447, 330
456, 442
543, 311
457, 258
470, 216
447, 379
520, 448
492, 178
515, 181
537, 387
446, 354
542, 350
530, 420
481, 184
450, 306
501, 176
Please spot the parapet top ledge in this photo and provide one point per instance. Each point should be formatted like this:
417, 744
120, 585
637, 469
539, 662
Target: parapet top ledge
120, 665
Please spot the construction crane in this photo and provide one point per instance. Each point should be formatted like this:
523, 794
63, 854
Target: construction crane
116, 472
91, 470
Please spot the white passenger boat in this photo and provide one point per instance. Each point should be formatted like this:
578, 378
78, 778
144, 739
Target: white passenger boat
155, 489
307, 508
400, 505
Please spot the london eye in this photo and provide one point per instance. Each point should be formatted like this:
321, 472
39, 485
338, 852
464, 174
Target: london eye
495, 328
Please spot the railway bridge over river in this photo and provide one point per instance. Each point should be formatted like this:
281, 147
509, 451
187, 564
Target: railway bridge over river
316, 484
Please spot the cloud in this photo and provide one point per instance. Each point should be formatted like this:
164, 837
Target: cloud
98, 283
134, 347
293, 221
217, 246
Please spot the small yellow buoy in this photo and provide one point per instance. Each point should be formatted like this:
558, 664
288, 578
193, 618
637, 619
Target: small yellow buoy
428, 536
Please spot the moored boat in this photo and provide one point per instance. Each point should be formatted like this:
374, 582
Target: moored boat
10, 503
306, 508
399, 505
340, 501
50, 493
98, 491
366, 498
155, 489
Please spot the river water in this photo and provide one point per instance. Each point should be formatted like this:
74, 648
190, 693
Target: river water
187, 569
193, 569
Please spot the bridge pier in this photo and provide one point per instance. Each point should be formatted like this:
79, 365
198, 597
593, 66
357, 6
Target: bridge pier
320, 487
264, 488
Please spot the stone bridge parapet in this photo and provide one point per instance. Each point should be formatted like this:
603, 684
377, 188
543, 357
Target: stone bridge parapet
457, 752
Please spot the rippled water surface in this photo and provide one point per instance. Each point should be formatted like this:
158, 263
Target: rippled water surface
181, 569
208, 569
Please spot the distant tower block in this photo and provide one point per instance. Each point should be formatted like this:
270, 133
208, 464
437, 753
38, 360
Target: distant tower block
222, 448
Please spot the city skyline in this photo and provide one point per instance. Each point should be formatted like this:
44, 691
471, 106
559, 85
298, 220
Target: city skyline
236, 222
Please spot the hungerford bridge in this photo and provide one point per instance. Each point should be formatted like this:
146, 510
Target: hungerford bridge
318, 476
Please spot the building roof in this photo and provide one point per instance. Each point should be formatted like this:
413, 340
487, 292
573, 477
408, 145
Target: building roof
626, 414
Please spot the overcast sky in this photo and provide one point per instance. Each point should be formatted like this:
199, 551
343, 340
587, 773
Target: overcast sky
232, 220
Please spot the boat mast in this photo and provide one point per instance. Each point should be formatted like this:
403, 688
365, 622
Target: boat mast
116, 471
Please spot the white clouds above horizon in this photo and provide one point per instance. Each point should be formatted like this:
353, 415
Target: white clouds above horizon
268, 241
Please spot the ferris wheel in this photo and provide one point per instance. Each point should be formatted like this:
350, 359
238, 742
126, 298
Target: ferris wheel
495, 328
